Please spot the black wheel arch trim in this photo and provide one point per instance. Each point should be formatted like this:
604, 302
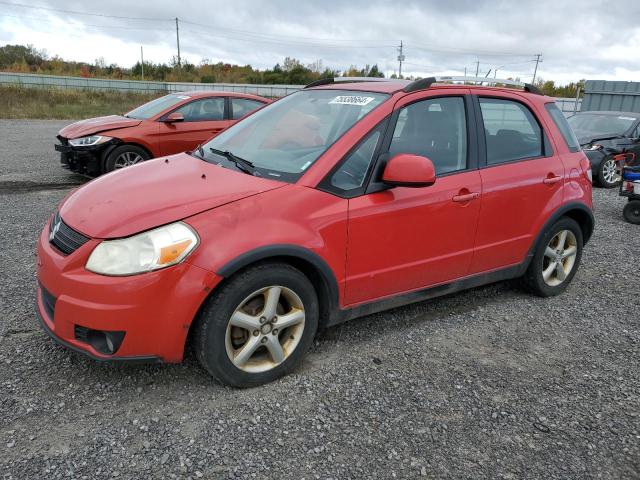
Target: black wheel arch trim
291, 251
587, 228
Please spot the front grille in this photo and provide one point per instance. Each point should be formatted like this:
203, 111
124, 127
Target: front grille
48, 302
63, 141
65, 238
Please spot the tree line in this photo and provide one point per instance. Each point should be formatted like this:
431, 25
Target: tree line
27, 59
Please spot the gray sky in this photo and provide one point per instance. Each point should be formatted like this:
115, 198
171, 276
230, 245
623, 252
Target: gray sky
578, 39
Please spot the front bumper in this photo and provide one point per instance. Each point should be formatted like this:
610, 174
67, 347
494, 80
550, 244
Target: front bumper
154, 310
84, 160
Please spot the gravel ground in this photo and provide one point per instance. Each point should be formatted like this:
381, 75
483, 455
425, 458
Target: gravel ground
489, 383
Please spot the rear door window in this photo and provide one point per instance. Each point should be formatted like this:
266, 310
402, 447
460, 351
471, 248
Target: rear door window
511, 131
241, 107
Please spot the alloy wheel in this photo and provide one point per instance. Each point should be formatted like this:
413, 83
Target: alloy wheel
559, 258
265, 329
611, 172
126, 159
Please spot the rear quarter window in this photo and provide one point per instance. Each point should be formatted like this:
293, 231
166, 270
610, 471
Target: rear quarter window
565, 129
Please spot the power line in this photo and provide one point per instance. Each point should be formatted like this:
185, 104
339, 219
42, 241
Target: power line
288, 43
124, 27
444, 49
218, 28
277, 36
75, 12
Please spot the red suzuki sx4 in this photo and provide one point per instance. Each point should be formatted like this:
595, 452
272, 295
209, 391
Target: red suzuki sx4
345, 198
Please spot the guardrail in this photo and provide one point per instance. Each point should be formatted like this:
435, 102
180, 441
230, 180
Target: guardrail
40, 81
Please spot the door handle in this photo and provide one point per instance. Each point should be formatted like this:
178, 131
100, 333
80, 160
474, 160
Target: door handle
467, 197
551, 180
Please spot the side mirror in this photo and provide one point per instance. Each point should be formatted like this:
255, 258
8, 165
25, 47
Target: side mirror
174, 117
406, 170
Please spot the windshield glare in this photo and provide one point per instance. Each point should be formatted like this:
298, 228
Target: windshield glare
285, 138
154, 107
592, 123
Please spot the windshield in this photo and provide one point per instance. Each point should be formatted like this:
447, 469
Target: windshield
154, 107
592, 124
285, 138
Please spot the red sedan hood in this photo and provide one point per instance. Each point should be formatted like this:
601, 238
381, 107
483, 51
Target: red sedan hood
155, 193
96, 125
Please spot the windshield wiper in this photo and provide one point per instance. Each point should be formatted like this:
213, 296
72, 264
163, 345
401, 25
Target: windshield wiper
244, 165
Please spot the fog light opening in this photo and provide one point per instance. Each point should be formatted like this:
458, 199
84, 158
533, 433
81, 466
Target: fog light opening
106, 343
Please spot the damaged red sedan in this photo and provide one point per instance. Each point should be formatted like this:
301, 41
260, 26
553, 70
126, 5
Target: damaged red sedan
171, 124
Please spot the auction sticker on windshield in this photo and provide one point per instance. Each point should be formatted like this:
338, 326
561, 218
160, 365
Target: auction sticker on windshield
351, 100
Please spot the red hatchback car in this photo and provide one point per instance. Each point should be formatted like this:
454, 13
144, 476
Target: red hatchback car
334, 202
171, 124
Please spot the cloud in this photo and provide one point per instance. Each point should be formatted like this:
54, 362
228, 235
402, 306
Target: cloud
577, 39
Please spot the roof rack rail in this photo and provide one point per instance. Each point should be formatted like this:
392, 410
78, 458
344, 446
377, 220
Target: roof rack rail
330, 80
425, 83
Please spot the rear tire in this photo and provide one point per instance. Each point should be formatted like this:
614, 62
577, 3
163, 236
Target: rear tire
258, 326
608, 173
631, 212
124, 156
556, 259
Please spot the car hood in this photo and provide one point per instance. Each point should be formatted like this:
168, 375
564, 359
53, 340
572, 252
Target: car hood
586, 138
97, 125
155, 193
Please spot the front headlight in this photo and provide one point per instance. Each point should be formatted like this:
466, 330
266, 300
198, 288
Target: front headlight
158, 248
593, 147
88, 141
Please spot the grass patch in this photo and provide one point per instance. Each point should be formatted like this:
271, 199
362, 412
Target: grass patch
57, 103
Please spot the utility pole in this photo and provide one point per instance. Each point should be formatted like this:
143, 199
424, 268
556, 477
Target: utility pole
400, 59
535, 72
178, 42
142, 61
477, 67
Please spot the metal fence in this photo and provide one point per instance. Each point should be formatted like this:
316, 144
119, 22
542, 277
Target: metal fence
569, 106
32, 80
605, 95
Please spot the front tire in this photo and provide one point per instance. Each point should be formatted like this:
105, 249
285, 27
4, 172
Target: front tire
609, 174
631, 212
556, 259
258, 327
124, 156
